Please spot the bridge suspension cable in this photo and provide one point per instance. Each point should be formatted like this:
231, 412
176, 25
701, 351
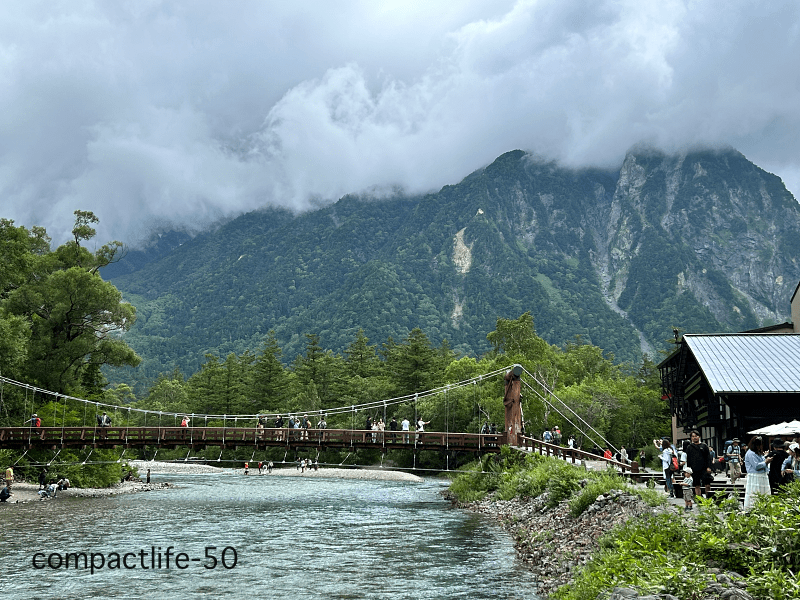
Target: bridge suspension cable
550, 392
350, 408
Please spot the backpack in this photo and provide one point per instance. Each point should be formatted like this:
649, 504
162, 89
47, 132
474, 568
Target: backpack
673, 464
548, 437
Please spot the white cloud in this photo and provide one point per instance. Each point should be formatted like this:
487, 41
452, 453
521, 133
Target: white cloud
165, 112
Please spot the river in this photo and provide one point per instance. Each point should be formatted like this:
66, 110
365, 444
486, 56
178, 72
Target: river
232, 536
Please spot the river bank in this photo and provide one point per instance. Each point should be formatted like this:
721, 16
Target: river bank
555, 545
550, 541
23, 492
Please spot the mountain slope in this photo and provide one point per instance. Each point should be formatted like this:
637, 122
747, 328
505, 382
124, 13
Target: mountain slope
704, 241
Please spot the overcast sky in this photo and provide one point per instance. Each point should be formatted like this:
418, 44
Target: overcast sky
165, 113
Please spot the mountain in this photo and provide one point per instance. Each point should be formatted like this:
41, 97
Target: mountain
703, 241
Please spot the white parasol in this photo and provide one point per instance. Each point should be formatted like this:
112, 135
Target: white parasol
785, 428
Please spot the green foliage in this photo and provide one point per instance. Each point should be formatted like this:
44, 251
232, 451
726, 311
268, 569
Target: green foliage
98, 469
58, 318
665, 554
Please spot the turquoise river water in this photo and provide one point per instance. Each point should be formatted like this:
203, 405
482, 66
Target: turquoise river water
271, 537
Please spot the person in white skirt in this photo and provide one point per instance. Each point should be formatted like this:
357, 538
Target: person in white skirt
756, 464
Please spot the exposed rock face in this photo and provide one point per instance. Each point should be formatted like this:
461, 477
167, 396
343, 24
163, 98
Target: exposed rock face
735, 222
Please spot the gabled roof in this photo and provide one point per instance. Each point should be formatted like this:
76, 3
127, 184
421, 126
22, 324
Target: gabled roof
748, 363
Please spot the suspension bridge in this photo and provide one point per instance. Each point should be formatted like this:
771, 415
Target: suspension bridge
129, 428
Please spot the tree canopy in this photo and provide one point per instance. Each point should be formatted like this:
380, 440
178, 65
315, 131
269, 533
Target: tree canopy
59, 321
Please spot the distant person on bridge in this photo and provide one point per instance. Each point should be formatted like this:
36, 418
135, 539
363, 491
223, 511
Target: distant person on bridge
393, 428
404, 425
557, 435
279, 427
34, 421
103, 420
420, 427
185, 422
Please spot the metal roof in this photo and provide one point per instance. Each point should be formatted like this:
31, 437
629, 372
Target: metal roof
748, 363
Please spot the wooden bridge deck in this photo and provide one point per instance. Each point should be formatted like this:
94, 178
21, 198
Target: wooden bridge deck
53, 438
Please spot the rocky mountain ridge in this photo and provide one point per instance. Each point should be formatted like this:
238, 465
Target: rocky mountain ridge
702, 241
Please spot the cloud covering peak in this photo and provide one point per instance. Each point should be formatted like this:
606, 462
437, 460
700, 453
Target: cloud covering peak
163, 113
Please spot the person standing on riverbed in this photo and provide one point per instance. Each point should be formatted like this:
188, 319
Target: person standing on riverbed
9, 477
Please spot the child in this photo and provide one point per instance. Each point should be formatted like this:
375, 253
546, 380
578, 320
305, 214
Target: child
688, 490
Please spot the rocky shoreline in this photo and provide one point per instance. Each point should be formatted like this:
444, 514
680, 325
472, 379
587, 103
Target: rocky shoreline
23, 492
553, 544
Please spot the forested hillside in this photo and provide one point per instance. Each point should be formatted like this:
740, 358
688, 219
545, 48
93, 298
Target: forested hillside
704, 241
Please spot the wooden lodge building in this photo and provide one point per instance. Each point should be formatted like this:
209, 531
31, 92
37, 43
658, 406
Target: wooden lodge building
728, 384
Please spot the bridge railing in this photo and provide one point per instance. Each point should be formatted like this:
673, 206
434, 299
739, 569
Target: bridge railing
54, 437
574, 455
